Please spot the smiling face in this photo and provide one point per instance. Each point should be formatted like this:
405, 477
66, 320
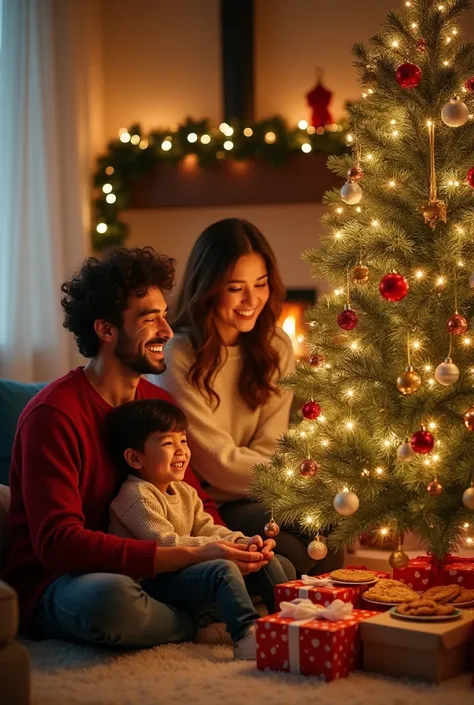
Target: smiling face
143, 334
164, 459
243, 297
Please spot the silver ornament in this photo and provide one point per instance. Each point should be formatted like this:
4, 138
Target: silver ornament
447, 373
351, 193
346, 503
317, 550
405, 452
455, 113
468, 497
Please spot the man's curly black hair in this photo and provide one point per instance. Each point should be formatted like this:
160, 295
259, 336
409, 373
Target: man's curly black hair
101, 289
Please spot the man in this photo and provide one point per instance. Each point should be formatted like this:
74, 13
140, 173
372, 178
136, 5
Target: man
75, 581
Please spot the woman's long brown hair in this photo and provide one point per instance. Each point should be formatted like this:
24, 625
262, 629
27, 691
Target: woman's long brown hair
213, 257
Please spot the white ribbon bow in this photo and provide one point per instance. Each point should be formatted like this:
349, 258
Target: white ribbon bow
301, 609
315, 581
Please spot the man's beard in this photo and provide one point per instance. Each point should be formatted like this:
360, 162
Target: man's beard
136, 361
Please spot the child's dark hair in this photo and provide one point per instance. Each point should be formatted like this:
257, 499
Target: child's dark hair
129, 426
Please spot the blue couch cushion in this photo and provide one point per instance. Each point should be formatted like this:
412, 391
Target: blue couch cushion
14, 396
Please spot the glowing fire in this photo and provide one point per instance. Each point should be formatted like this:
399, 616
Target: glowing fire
292, 322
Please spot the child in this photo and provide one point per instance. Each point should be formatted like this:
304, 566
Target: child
147, 439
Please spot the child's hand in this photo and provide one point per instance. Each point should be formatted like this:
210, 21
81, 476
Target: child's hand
255, 543
267, 549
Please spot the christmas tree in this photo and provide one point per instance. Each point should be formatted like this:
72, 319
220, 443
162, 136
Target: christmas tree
384, 441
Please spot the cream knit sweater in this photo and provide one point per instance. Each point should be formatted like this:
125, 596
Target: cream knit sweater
228, 441
176, 518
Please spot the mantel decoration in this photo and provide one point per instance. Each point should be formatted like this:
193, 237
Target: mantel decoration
133, 154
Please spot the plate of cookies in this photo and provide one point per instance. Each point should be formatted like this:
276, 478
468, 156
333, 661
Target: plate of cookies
450, 595
389, 593
423, 610
353, 576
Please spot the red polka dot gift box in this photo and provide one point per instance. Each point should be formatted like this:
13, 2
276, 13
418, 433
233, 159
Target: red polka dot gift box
424, 572
311, 647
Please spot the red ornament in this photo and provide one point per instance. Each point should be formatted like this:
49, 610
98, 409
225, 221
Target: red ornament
309, 468
271, 529
456, 324
422, 441
469, 84
435, 488
408, 75
311, 410
421, 46
319, 99
469, 419
355, 173
347, 319
316, 360
393, 287
470, 177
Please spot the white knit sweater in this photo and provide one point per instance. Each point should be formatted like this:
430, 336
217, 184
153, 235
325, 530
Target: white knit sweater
176, 518
228, 441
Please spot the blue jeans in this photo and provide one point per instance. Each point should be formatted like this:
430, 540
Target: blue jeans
115, 610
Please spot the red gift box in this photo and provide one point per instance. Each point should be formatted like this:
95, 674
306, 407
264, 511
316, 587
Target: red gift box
322, 595
317, 647
423, 572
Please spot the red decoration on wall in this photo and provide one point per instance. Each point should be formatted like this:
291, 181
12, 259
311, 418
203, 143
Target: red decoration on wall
319, 99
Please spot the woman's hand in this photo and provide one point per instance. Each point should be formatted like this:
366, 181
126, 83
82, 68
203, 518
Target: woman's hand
256, 543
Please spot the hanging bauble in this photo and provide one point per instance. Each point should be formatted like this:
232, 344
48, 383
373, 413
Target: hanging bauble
271, 529
456, 324
470, 177
309, 468
347, 319
351, 193
405, 452
468, 497
408, 75
360, 274
409, 381
455, 113
398, 559
346, 503
422, 441
433, 211
319, 99
469, 419
316, 360
393, 287
311, 410
355, 173
447, 373
469, 84
317, 550
421, 45
435, 488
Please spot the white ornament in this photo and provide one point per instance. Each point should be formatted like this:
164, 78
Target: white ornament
468, 497
447, 373
471, 281
317, 550
405, 452
455, 113
351, 193
346, 503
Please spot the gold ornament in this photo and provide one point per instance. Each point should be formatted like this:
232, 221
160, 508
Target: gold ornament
360, 274
433, 211
409, 381
399, 559
317, 550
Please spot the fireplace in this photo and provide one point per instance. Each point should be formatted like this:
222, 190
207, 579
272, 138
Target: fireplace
292, 318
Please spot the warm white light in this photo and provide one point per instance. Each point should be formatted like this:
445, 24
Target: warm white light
460, 263
384, 531
395, 44
441, 8
431, 382
325, 443
432, 425
427, 462
270, 137
354, 346
101, 228
308, 520
359, 209
122, 131
339, 210
303, 124
369, 157
321, 418
109, 170
395, 133
379, 471
107, 188
228, 145
303, 434
166, 145
448, 39
350, 392
223, 127
393, 122
143, 144
414, 25
192, 137
311, 130
466, 341
392, 184
446, 63
205, 139
306, 147
338, 235
387, 444
125, 137
350, 425
375, 223
289, 473
408, 3
441, 281
338, 292
135, 139
469, 541
365, 473
111, 198
466, 525
455, 31
350, 138
248, 132
428, 368
436, 458
429, 123
416, 344
419, 274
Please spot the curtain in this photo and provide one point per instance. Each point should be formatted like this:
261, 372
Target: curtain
49, 121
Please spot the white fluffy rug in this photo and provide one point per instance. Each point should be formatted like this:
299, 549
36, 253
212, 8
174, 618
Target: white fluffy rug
191, 674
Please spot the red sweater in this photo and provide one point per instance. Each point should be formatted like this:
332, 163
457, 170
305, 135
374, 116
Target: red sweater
62, 482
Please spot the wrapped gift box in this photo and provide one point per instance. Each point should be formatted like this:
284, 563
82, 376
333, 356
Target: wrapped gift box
429, 651
423, 572
329, 650
322, 594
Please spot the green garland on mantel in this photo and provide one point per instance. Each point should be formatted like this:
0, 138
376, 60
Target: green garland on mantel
133, 154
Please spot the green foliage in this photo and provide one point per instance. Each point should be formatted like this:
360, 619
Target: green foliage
126, 161
357, 384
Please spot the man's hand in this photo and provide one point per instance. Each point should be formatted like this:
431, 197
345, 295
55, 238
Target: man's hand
240, 554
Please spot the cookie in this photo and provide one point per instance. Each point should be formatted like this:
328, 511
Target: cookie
464, 596
442, 593
353, 576
425, 608
392, 594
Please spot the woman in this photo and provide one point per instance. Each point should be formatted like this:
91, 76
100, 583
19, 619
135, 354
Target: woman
224, 363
